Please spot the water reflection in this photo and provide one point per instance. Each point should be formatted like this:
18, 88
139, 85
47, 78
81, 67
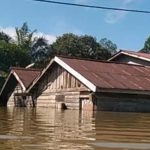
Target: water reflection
50, 129
123, 127
46, 128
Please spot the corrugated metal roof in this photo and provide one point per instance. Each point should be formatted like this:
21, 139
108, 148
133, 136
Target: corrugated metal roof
23, 76
109, 75
26, 75
139, 55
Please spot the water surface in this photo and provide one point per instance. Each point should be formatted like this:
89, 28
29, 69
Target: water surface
50, 129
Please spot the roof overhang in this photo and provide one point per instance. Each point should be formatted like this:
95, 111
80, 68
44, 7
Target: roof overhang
17, 78
19, 81
42, 73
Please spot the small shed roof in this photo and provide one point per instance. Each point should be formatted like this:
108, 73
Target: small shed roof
23, 76
98, 75
26, 75
139, 55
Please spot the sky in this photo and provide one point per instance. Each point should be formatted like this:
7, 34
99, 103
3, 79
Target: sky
128, 30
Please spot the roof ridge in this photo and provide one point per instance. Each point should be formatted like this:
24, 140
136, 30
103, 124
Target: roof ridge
104, 61
131, 51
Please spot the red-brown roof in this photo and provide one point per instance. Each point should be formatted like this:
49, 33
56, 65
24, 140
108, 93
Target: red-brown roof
108, 75
23, 76
27, 76
98, 75
139, 55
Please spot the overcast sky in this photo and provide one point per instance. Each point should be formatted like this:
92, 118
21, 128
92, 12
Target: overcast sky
127, 30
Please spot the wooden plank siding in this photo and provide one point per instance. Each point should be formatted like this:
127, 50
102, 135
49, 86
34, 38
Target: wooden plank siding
121, 102
18, 89
59, 86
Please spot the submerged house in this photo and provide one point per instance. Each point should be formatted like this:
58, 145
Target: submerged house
13, 92
131, 57
82, 84
92, 85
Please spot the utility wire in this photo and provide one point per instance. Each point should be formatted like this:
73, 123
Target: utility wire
93, 6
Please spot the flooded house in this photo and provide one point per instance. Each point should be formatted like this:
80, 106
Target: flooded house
13, 92
80, 84
131, 57
92, 85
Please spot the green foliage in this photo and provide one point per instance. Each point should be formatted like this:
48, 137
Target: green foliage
80, 46
4, 37
36, 48
109, 45
2, 80
25, 39
41, 52
88, 46
146, 48
25, 36
65, 45
12, 55
30, 49
17, 53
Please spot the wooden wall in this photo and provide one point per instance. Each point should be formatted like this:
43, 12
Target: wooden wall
18, 89
58, 86
121, 102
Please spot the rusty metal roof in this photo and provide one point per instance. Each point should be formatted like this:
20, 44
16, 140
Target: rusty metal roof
23, 76
139, 55
111, 75
26, 75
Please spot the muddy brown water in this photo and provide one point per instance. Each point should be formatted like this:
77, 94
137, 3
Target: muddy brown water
50, 129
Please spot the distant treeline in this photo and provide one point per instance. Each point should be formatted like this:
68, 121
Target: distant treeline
26, 48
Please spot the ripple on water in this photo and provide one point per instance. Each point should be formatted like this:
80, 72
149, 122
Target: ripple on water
46, 128
13, 137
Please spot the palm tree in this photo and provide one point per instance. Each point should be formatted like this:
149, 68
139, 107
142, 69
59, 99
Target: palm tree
25, 36
41, 52
37, 48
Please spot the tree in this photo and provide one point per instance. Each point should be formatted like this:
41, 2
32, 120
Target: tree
15, 53
24, 36
36, 47
79, 46
65, 45
146, 48
41, 51
88, 46
109, 45
4, 37
12, 55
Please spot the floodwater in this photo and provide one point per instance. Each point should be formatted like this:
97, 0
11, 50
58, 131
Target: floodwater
50, 129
